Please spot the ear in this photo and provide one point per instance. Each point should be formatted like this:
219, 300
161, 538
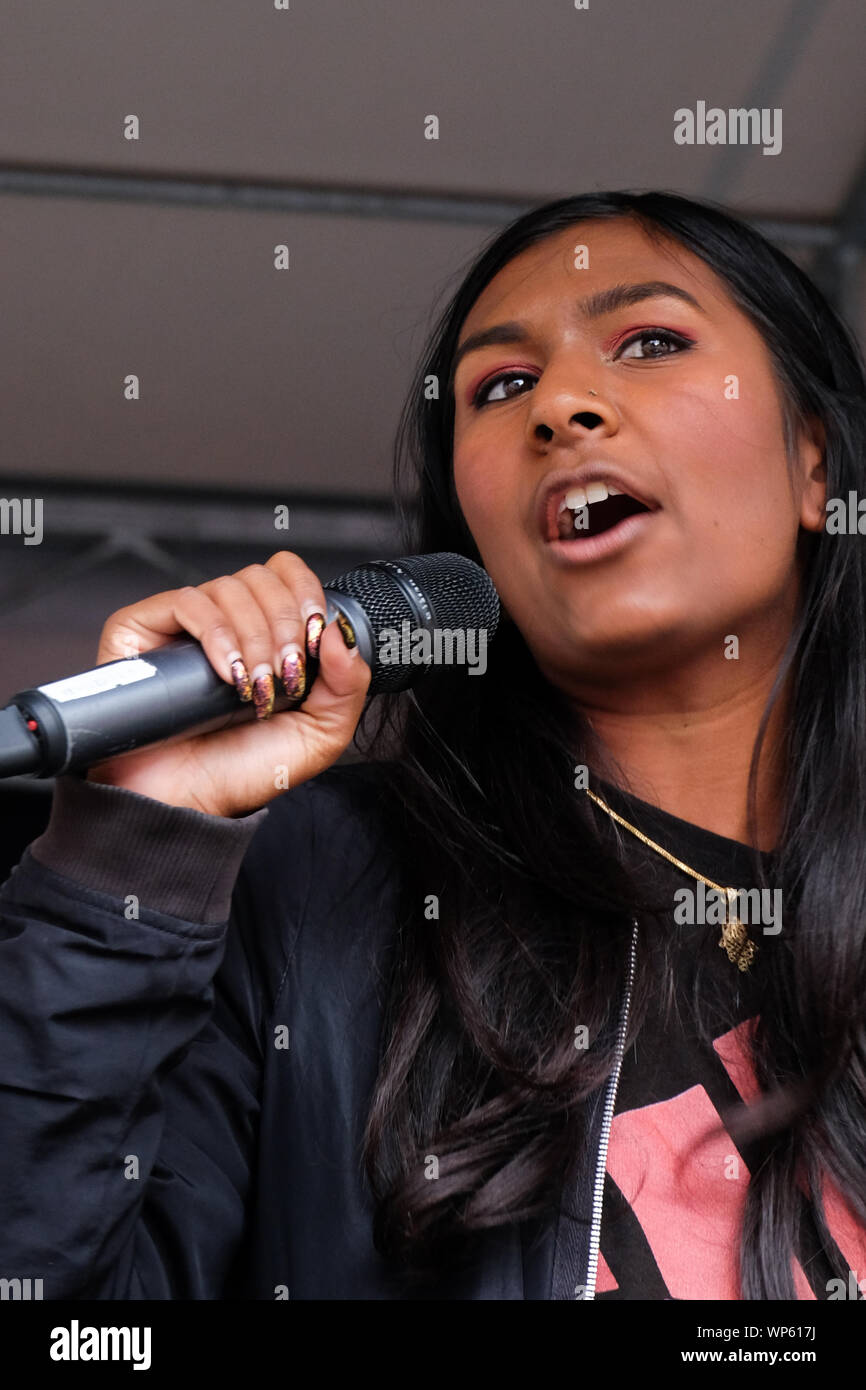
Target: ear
811, 446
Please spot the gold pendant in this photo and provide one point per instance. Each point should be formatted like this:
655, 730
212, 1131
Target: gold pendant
735, 939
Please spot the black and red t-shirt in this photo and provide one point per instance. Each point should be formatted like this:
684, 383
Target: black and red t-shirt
676, 1181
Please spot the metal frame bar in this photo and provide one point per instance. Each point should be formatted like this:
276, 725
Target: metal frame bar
837, 267
108, 523
767, 86
240, 195
321, 523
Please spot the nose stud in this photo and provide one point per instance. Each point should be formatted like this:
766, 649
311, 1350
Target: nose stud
592, 393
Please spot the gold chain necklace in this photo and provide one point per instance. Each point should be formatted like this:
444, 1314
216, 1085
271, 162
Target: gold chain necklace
734, 939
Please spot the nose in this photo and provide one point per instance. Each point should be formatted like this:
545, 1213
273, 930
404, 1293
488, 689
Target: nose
561, 412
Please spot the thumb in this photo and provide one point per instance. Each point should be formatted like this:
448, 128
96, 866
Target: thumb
343, 677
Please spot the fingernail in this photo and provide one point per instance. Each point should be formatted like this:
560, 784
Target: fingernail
240, 676
313, 634
263, 695
347, 632
294, 674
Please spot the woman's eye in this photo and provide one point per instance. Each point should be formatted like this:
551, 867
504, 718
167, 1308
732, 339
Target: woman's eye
654, 342
483, 395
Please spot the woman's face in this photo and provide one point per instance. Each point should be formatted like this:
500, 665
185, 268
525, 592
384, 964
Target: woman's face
611, 379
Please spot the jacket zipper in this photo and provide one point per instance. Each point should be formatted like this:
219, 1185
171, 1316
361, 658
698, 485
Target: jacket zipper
606, 1122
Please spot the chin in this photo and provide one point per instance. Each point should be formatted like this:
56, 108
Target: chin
621, 649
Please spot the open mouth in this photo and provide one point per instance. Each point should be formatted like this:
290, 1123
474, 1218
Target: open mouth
591, 512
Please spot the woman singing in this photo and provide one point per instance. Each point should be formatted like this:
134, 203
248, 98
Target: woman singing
559, 992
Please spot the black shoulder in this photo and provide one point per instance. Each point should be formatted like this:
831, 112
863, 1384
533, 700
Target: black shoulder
320, 874
344, 793
335, 823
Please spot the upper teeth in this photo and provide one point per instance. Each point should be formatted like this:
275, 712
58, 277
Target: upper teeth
578, 497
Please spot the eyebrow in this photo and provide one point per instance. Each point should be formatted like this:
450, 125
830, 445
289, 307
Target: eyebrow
594, 306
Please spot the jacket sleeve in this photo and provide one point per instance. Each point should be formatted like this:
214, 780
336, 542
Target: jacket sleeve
130, 1049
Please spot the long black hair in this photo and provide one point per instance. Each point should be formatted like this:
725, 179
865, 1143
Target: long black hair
515, 915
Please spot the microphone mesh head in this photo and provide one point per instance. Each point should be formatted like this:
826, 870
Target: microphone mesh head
448, 591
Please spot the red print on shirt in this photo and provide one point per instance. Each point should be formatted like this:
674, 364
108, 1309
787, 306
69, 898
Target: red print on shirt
680, 1172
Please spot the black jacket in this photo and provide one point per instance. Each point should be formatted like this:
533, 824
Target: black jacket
182, 1101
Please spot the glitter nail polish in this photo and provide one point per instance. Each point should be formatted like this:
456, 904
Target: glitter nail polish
294, 674
263, 696
347, 632
315, 626
240, 676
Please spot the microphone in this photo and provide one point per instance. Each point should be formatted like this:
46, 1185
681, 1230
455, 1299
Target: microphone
68, 725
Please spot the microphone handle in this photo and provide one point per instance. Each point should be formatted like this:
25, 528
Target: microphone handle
84, 719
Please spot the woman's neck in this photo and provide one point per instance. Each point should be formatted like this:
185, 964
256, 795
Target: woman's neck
686, 747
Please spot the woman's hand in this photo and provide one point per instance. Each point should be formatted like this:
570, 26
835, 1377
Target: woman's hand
258, 620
